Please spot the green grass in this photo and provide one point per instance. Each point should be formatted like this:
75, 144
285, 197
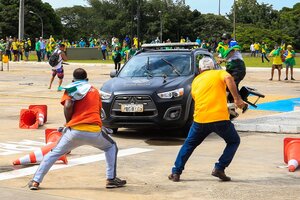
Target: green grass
249, 61
32, 57
91, 61
256, 62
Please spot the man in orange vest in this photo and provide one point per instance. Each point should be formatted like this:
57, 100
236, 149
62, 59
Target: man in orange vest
82, 106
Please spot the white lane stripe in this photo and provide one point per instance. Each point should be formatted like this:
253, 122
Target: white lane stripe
71, 163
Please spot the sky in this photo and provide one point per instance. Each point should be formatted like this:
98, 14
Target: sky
203, 6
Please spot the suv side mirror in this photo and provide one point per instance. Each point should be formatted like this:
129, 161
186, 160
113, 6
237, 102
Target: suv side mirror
113, 73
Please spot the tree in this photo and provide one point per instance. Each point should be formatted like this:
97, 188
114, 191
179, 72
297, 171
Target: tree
107, 18
77, 22
259, 22
9, 19
247, 34
251, 12
289, 22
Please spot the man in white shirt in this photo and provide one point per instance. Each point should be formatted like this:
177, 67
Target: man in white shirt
58, 69
252, 49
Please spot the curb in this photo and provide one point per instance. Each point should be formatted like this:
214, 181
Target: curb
244, 127
286, 122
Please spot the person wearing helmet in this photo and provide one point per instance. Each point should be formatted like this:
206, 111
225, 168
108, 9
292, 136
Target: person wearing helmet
210, 115
229, 52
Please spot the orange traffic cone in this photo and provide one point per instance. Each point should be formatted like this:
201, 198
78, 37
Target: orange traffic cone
37, 156
42, 110
292, 153
33, 117
52, 137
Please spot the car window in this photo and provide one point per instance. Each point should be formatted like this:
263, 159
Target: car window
154, 65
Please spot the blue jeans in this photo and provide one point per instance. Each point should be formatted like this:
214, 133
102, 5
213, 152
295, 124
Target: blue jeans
198, 132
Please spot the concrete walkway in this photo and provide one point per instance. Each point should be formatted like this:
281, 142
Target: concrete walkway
287, 122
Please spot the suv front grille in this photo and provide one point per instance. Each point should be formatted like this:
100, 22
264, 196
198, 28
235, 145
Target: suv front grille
149, 108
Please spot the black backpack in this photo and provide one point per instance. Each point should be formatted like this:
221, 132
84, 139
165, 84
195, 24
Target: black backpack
54, 59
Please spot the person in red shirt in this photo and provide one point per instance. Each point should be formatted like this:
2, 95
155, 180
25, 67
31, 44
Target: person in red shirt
82, 106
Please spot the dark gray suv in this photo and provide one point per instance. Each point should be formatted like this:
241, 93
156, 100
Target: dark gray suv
152, 90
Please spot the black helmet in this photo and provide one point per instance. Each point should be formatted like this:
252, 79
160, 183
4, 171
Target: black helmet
226, 36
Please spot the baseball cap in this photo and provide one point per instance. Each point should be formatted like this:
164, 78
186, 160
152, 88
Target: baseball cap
206, 63
233, 43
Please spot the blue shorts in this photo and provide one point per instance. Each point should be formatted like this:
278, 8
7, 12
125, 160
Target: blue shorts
59, 72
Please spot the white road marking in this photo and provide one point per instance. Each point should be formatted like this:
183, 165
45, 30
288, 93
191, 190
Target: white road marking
10, 147
71, 163
29, 142
17, 147
5, 152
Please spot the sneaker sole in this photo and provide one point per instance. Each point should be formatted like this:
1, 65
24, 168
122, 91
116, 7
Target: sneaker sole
33, 188
227, 179
114, 186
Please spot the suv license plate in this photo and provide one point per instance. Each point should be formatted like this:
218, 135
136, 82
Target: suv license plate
132, 108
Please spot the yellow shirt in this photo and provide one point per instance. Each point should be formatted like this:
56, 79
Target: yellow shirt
256, 46
276, 59
209, 94
290, 54
87, 127
15, 45
136, 41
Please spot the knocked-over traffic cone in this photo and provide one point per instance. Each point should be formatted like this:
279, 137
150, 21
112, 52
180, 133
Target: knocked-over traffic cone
38, 155
292, 152
33, 117
52, 137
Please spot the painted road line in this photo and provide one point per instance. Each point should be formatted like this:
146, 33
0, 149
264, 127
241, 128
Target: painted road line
73, 162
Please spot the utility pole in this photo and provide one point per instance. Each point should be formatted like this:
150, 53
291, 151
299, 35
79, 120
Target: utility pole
131, 26
139, 22
161, 27
219, 7
21, 20
42, 23
234, 10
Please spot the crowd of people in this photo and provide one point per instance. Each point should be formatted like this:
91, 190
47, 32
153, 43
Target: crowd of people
123, 50
281, 54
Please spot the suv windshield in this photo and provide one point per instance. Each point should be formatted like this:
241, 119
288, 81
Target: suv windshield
154, 65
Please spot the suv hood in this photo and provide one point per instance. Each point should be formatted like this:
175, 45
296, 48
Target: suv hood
155, 83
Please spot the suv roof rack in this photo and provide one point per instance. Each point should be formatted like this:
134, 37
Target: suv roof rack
174, 44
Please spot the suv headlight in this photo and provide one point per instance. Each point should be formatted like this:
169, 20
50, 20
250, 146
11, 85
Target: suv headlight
105, 95
170, 94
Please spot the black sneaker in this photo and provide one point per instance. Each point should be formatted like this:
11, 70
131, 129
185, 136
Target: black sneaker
32, 185
286, 79
292, 79
115, 183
